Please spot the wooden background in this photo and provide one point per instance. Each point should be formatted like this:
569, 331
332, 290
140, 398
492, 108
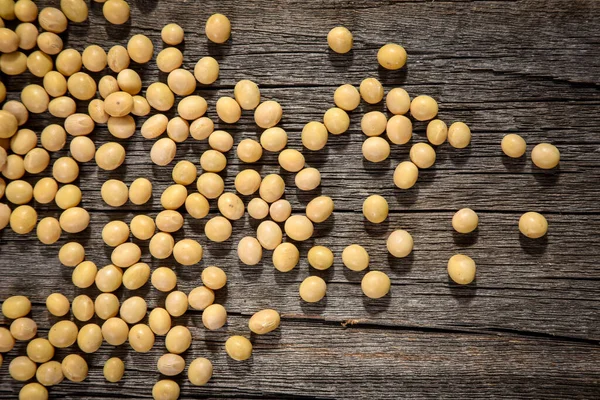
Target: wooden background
528, 327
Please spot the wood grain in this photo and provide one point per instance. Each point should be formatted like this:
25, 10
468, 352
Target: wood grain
528, 327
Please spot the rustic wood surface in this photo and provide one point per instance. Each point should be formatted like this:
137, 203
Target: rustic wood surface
530, 324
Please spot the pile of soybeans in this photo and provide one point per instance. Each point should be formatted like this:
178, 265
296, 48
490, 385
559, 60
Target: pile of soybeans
32, 40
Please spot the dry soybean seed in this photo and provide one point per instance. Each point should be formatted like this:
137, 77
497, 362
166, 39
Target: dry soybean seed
437, 132
83, 308
23, 328
7, 342
178, 339
81, 86
114, 368
399, 129
210, 185
268, 114
74, 368
228, 110
62, 107
45, 190
273, 139
68, 62
121, 127
355, 257
206, 70
154, 126
94, 58
336, 121
108, 84
400, 243
32, 391
373, 123
422, 155
118, 58
140, 49
40, 350
9, 41
116, 11
14, 63
200, 371
249, 250
23, 219
545, 156
223, 141
63, 334
459, 135
376, 149
14, 167
340, 40
163, 151
126, 254
285, 257
19, 192
423, 108
173, 197
26, 10
136, 276
533, 225
192, 108
114, 193
270, 236
118, 104
172, 34
48, 230
308, 179
231, 206
320, 257
398, 101
291, 160
74, 220
109, 278
319, 209
115, 331
406, 175
176, 303
8, 124
178, 129
140, 191
391, 56
164, 279
238, 348
74, 10
197, 206
346, 97
182, 82
375, 209
52, 20
50, 373
159, 321
513, 145
141, 338
106, 306
264, 321
129, 81
115, 233
247, 94
218, 229
84, 274
280, 210
375, 284
170, 364
110, 156
79, 124
249, 150
461, 269
22, 369
313, 289
272, 188
258, 208
465, 220
39, 63
187, 252
141, 108
247, 182
299, 228
201, 297
371, 90
35, 98
218, 28
71, 254
161, 245
169, 59
314, 135
82, 149
169, 221
160, 97
17, 109
23, 141
213, 161
165, 389
50, 43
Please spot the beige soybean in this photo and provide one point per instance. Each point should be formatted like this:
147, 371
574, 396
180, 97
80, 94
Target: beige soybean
197, 206
228, 110
163, 151
140, 191
285, 257
154, 126
376, 149
280, 210
109, 278
39, 63
49, 373
62, 107
206, 70
200, 371
136, 276
308, 179
74, 367
82, 149
48, 230
14, 63
26, 10
45, 190
126, 254
114, 192
192, 107
115, 233
355, 257
169, 221
159, 321
400, 243
40, 350
264, 321
213, 161
340, 40
218, 229
141, 107
313, 289
314, 135
9, 124
110, 156
165, 389
272, 187
115, 331
23, 219
422, 155
161, 245
298, 227
75, 11
437, 132
83, 308
258, 208
320, 257
121, 127
291, 160
461, 269
7, 342
160, 96
133, 310
118, 57
36, 161
201, 297
346, 97
19, 192
33, 390
164, 279
222, 141
513, 145
231, 206
35, 98
23, 141
397, 101
336, 121
371, 90
118, 104
107, 85
268, 114
391, 56
218, 28
178, 339
68, 62
106, 305
269, 235
172, 34
79, 124
533, 225
94, 58
375, 209
214, 317
170, 364
84, 274
273, 139
114, 368
71, 254
247, 182
406, 175
249, 150
423, 108
214, 277
63, 334
140, 48
53, 137
247, 94
129, 81
116, 11
178, 129
375, 284
173, 197
373, 123
319, 209
545, 156
181, 82
18, 110
50, 43
459, 135
249, 250
465, 220
9, 41
22, 369
210, 185
176, 303
399, 129
23, 328
188, 251
52, 20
